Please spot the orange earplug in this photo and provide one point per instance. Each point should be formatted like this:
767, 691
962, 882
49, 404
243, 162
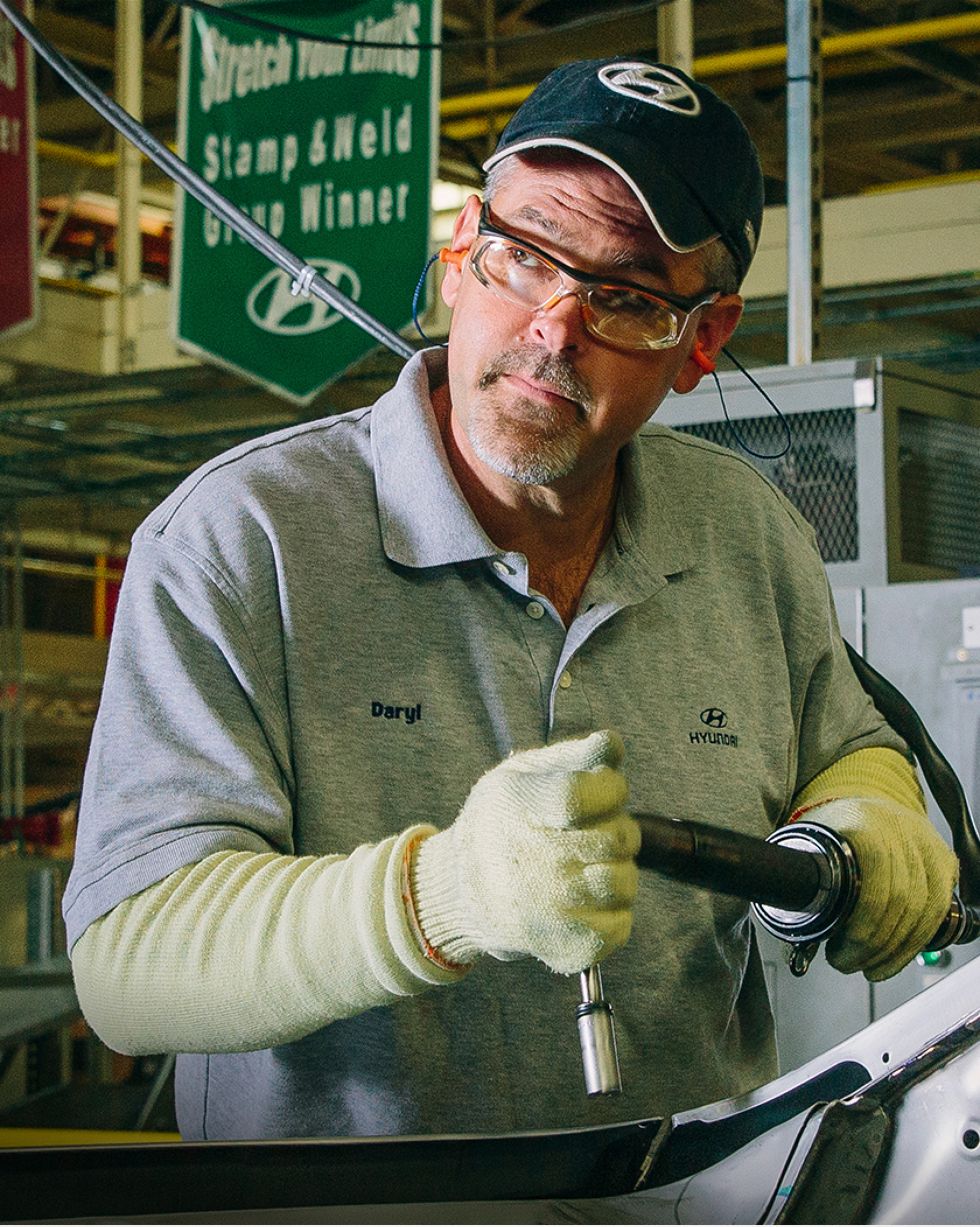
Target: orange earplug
448, 256
701, 358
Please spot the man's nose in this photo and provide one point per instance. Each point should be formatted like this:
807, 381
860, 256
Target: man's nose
559, 325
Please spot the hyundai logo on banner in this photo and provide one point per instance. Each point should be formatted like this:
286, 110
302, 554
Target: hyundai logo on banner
274, 308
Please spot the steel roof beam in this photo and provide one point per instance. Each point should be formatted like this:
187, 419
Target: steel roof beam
931, 59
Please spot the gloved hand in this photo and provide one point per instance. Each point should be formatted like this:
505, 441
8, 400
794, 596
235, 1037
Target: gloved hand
538, 862
907, 879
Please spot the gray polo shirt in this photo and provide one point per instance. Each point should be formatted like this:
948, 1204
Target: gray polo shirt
317, 645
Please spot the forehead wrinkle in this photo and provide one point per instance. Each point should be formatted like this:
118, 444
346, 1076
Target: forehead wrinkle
550, 225
623, 257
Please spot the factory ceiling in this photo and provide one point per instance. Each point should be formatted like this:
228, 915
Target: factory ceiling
901, 106
902, 88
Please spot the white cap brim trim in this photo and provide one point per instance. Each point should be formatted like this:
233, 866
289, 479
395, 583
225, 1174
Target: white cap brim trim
545, 142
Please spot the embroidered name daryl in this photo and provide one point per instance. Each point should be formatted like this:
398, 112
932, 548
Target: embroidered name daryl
389, 712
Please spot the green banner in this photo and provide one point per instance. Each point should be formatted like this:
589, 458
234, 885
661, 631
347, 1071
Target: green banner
332, 149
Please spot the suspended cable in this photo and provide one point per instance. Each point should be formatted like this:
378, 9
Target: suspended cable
460, 44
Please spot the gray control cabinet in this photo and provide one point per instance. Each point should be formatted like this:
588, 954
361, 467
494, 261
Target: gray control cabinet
885, 462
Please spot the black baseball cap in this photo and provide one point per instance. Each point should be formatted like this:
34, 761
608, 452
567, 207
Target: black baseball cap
684, 152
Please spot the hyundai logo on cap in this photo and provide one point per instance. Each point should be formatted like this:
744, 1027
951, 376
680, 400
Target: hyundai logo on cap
651, 83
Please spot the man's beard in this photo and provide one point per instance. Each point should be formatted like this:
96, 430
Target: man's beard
527, 440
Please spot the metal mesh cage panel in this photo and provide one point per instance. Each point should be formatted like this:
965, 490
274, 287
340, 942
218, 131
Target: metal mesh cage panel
939, 491
818, 474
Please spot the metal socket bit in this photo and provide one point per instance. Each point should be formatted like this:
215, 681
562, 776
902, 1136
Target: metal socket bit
597, 1036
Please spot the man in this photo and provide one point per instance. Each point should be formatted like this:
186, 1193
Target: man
353, 763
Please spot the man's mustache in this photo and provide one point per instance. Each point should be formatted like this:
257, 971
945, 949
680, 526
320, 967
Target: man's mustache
530, 362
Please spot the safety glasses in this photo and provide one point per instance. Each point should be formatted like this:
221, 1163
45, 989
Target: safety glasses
623, 315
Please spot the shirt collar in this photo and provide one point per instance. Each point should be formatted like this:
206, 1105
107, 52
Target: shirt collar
425, 520
650, 523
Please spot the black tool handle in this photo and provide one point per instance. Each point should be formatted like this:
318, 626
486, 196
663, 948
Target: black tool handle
732, 863
728, 862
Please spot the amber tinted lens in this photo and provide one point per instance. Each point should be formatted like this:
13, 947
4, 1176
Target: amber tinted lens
634, 321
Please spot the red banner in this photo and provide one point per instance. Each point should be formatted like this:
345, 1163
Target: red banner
18, 291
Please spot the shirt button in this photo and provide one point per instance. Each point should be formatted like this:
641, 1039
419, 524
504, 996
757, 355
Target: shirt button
534, 609
501, 567
565, 680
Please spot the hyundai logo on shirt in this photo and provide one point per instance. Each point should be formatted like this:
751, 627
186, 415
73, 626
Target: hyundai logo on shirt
715, 719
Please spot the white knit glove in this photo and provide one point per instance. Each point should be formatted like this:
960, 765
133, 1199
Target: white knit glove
538, 862
907, 879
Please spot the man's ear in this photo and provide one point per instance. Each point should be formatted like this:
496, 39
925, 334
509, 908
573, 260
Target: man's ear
716, 325
464, 235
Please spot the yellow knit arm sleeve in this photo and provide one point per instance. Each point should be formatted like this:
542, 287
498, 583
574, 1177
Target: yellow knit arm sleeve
246, 950
876, 773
